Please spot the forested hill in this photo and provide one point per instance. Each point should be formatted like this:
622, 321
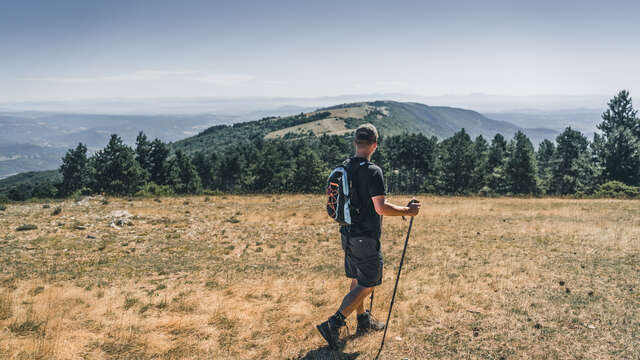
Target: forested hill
390, 117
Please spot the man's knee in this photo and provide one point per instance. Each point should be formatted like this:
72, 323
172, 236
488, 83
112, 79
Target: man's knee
364, 289
354, 283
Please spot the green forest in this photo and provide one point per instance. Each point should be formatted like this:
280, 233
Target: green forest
572, 164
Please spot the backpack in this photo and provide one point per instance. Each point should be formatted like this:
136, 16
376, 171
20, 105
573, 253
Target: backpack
341, 206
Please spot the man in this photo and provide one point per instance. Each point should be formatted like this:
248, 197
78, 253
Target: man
361, 240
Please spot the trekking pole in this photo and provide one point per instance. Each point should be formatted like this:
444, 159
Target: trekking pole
395, 288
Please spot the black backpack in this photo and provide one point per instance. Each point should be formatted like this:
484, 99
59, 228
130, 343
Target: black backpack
342, 202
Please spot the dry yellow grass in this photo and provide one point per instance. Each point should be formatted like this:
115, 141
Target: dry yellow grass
334, 124
329, 126
248, 277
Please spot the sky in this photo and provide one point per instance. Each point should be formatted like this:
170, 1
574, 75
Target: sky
83, 49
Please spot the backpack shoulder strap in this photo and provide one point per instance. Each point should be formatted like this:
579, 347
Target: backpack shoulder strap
353, 169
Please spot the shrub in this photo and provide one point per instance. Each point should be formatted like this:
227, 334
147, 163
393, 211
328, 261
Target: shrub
152, 189
77, 196
56, 211
213, 192
617, 189
26, 227
129, 302
46, 206
487, 192
3, 207
26, 327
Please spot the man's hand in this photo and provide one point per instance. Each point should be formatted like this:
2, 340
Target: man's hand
414, 207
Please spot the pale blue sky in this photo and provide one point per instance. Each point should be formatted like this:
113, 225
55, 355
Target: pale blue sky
56, 50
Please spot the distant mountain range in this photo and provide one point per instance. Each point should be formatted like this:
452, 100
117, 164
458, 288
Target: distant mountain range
36, 140
31, 141
584, 120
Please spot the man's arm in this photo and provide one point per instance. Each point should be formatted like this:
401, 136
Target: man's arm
383, 207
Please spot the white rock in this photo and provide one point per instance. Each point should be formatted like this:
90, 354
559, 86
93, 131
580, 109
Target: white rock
120, 218
120, 213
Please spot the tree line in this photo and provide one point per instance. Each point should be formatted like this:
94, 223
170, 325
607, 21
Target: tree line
608, 165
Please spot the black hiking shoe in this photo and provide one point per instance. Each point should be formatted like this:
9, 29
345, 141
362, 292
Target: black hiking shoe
330, 331
367, 323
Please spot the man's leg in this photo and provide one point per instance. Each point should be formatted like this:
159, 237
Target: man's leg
360, 308
354, 299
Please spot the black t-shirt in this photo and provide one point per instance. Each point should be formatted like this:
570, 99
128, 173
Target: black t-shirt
367, 182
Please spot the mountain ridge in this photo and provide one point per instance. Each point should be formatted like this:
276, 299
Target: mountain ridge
390, 117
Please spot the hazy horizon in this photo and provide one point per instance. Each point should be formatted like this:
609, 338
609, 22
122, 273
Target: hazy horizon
75, 50
253, 107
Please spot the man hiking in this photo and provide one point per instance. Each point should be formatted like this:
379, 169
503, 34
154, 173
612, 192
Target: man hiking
361, 240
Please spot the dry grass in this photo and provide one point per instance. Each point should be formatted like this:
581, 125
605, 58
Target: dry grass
329, 126
334, 124
483, 278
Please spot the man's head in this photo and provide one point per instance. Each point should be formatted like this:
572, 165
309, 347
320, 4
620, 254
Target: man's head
366, 139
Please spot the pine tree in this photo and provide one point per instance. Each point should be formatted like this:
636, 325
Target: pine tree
205, 166
412, 162
597, 158
116, 169
158, 165
622, 156
143, 154
569, 162
184, 177
457, 159
266, 167
309, 172
621, 140
620, 114
497, 181
480, 173
521, 167
544, 158
74, 170
334, 149
231, 167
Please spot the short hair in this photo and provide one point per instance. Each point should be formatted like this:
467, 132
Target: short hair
366, 134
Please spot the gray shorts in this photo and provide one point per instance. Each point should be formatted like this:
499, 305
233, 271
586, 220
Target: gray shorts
363, 260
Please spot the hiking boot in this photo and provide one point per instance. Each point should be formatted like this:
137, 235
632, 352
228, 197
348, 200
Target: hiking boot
330, 331
366, 323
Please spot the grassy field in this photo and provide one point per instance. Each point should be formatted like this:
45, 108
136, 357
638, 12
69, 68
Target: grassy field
248, 277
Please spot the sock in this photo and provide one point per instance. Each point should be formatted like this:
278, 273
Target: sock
337, 319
